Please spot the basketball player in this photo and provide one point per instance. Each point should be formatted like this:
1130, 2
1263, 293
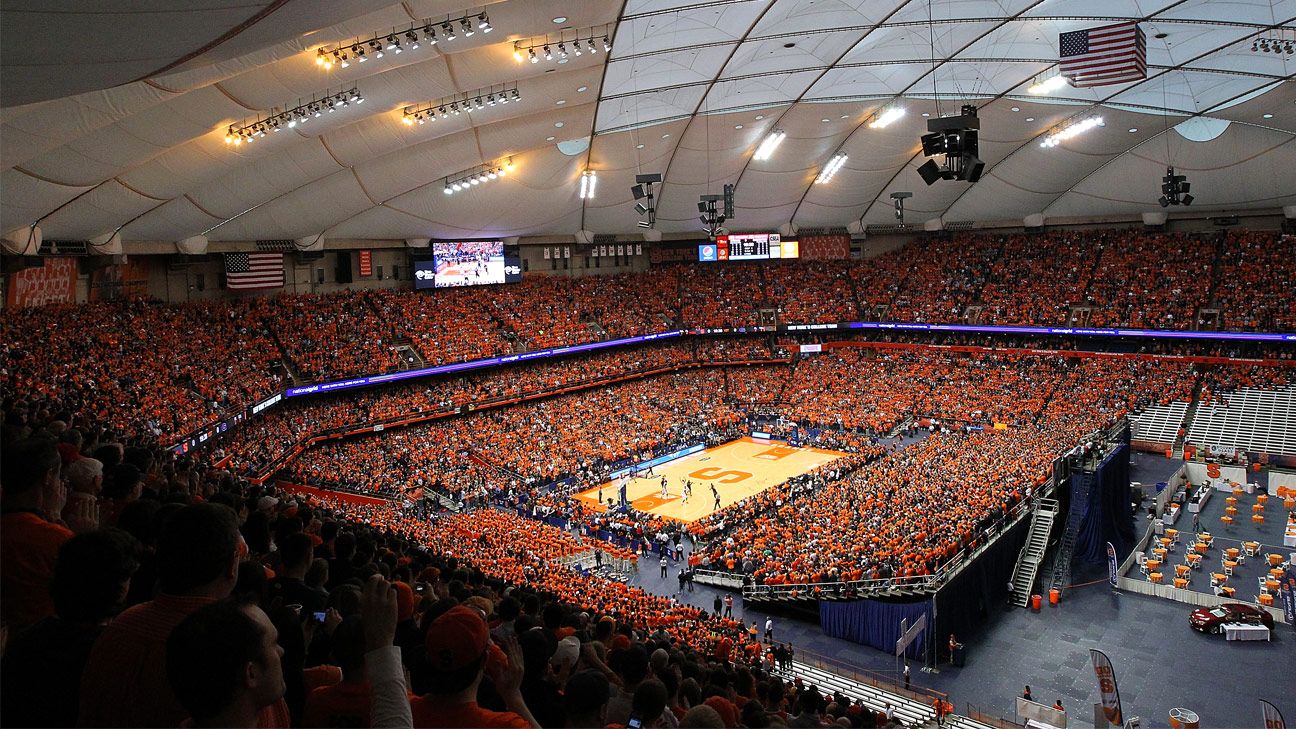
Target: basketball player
664, 493
688, 490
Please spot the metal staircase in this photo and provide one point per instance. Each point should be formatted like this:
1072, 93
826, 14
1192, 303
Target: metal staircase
1061, 572
1028, 563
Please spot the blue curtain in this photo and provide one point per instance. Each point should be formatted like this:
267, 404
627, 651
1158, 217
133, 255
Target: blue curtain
1107, 514
874, 623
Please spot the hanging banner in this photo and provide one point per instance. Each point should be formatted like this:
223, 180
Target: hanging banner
566, 251
1111, 565
1288, 594
52, 283
638, 249
1107, 687
1273, 718
546, 253
366, 263
119, 281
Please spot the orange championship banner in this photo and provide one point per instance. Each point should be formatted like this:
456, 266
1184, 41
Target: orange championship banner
52, 283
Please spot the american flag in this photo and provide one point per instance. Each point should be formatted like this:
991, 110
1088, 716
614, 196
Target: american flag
1112, 54
254, 270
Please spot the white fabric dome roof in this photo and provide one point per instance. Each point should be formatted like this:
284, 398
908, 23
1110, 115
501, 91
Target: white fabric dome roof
115, 114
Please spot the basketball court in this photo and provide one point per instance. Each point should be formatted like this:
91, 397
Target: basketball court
737, 469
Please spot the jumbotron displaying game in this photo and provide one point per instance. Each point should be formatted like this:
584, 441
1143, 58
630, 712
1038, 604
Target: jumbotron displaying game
469, 263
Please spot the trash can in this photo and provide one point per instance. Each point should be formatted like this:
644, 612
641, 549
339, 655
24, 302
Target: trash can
1054, 596
1036, 602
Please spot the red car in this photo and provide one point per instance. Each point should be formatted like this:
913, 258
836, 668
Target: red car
1212, 620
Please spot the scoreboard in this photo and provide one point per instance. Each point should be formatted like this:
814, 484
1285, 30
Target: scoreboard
748, 247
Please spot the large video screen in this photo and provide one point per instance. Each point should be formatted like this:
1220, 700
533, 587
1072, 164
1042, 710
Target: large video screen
471, 263
748, 247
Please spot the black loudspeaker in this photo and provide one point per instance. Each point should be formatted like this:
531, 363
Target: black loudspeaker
344, 267
930, 171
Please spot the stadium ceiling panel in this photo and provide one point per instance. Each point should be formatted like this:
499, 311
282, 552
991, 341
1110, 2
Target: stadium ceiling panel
125, 129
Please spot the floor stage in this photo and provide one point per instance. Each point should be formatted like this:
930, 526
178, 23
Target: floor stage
737, 469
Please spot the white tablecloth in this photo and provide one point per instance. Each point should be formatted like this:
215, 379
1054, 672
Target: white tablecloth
1205, 496
1289, 537
1171, 515
1238, 631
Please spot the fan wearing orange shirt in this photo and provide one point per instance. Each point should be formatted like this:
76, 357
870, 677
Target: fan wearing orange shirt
459, 649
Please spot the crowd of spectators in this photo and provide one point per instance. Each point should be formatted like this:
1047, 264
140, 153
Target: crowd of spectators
1254, 289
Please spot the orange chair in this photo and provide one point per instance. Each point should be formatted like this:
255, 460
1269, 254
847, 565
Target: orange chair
1160, 553
1252, 548
1265, 599
1206, 537
1229, 566
1257, 518
1180, 583
1228, 591
1173, 534
1218, 578
1155, 577
1194, 560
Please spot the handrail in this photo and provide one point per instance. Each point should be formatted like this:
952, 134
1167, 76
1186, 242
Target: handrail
871, 678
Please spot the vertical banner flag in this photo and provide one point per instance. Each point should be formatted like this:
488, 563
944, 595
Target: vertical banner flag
566, 251
638, 249
546, 253
1288, 593
1107, 687
1273, 718
366, 263
245, 271
1111, 564
1111, 54
53, 283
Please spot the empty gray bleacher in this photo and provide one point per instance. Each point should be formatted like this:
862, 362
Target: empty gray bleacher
1159, 423
910, 712
1249, 419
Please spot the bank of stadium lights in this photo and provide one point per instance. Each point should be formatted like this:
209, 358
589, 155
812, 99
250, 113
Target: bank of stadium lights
884, 119
1285, 42
237, 134
564, 44
1080, 127
477, 175
769, 145
416, 35
830, 169
588, 184
457, 104
1047, 86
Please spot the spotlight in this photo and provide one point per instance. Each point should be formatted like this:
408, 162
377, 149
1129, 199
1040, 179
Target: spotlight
771, 143
532, 53
377, 48
517, 53
479, 103
429, 34
467, 27
448, 191
516, 95
1048, 85
483, 23
588, 183
448, 31
359, 53
321, 59
490, 99
831, 168
412, 37
562, 49
593, 49
885, 118
548, 54
607, 44
392, 43
576, 47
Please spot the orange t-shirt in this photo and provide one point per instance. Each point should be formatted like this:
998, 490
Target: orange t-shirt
28, 548
429, 712
340, 705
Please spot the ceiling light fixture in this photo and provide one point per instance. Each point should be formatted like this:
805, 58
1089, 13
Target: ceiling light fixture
477, 175
1066, 133
770, 143
458, 103
885, 118
830, 169
1048, 85
391, 40
236, 134
569, 41
588, 183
